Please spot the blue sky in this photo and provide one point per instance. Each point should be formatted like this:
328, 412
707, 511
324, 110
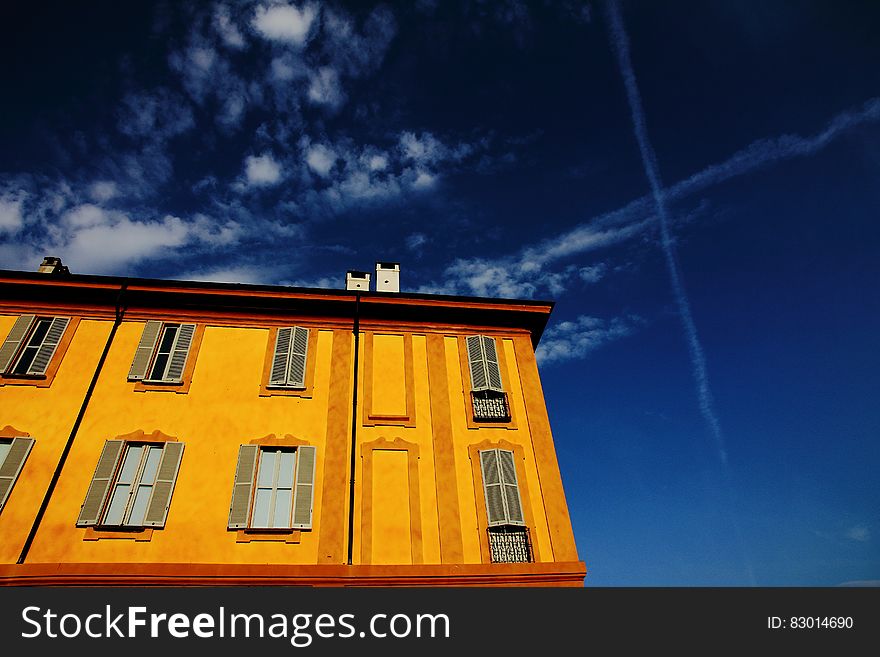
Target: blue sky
695, 184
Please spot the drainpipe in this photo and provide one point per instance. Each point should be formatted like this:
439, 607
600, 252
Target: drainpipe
354, 403
120, 311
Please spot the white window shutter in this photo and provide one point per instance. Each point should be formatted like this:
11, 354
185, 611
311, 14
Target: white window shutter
13, 340
278, 376
493, 371
50, 344
304, 487
479, 377
507, 466
144, 353
496, 510
99, 488
179, 353
160, 500
240, 506
11, 466
296, 376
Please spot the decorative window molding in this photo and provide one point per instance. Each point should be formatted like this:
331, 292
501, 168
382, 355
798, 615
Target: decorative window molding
415, 513
273, 490
501, 521
15, 446
369, 417
485, 382
132, 486
166, 356
34, 348
289, 364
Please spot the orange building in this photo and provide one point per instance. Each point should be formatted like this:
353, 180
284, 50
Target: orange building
159, 432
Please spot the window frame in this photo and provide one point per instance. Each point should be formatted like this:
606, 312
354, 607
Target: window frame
21, 445
45, 379
249, 481
95, 521
144, 383
468, 392
269, 389
483, 526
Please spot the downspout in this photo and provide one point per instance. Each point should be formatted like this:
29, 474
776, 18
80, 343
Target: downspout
82, 411
354, 403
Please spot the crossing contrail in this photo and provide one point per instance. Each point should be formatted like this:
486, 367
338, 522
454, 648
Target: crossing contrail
620, 43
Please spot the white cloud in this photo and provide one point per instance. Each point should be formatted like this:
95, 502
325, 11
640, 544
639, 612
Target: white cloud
593, 273
117, 242
11, 219
325, 89
103, 190
320, 159
242, 274
424, 180
859, 533
227, 30
571, 340
377, 162
284, 23
262, 170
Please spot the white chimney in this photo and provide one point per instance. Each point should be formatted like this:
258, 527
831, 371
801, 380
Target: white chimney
387, 277
357, 280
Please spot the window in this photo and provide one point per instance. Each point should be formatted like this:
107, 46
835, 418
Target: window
273, 488
13, 454
289, 359
162, 353
132, 485
487, 390
30, 345
508, 533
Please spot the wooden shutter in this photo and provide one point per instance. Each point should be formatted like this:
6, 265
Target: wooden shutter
304, 487
240, 506
496, 512
507, 465
493, 372
144, 353
296, 375
160, 500
12, 465
90, 512
179, 353
278, 376
13, 340
479, 378
50, 344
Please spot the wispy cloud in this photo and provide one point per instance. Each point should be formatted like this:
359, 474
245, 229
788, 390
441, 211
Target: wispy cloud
262, 170
571, 340
860, 533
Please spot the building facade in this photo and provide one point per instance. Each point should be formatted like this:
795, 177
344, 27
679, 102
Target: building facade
173, 433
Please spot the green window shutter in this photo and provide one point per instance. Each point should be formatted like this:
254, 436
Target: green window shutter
179, 353
493, 372
90, 512
507, 466
239, 507
496, 510
278, 376
304, 487
296, 375
144, 353
13, 340
479, 377
12, 465
50, 344
160, 500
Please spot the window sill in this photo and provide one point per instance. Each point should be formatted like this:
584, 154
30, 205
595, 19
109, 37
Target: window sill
139, 534
268, 535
